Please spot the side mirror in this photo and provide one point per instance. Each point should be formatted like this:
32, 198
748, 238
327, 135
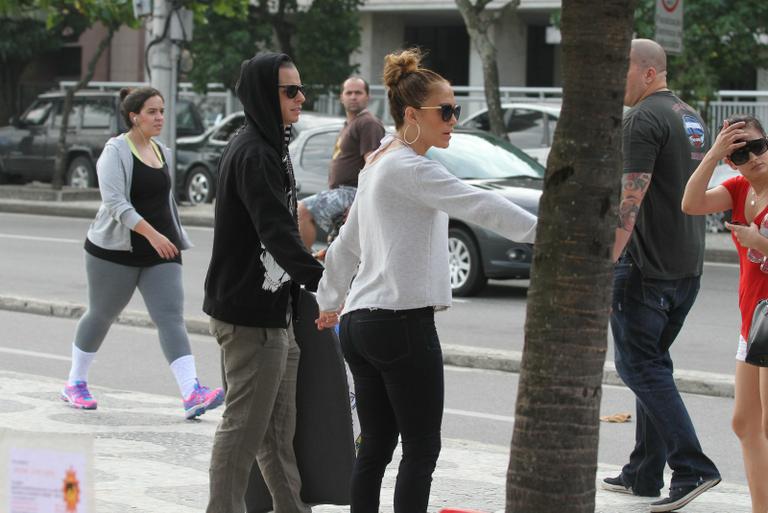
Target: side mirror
14, 120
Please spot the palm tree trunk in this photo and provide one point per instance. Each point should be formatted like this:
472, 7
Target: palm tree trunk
553, 458
61, 149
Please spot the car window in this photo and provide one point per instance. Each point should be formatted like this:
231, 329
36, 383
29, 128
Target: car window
187, 122
318, 150
480, 122
225, 132
74, 114
525, 128
37, 113
484, 156
98, 113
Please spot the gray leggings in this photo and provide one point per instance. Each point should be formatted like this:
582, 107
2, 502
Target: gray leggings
110, 287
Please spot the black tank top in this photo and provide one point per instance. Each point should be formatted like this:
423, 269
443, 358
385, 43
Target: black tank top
150, 188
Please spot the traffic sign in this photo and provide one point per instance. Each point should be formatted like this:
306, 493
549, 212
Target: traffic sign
669, 25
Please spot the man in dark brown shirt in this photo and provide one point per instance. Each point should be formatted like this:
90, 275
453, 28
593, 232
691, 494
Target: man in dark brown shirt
360, 136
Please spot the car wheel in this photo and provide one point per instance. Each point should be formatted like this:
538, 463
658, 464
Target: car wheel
467, 276
200, 187
80, 173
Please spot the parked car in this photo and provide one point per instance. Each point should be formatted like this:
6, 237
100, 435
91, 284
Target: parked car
197, 158
531, 127
28, 146
483, 160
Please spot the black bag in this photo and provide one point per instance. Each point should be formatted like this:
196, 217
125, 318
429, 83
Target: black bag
324, 444
757, 345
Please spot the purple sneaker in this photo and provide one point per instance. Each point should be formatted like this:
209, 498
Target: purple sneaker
201, 400
78, 396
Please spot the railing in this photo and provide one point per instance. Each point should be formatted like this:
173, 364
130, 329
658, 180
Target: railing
471, 99
219, 101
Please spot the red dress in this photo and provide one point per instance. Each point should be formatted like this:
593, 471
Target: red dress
753, 283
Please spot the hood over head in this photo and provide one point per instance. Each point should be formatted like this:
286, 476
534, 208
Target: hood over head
258, 92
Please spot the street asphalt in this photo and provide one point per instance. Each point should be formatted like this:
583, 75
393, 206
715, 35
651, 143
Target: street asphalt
73, 203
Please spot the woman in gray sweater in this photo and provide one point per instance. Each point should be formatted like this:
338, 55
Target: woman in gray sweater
136, 242
389, 270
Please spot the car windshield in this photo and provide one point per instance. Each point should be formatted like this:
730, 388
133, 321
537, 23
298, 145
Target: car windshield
482, 156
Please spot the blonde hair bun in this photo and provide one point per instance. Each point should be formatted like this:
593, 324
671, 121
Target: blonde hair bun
397, 65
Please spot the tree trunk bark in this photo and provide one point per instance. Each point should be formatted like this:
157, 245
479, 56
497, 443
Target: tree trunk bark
553, 457
478, 23
61, 149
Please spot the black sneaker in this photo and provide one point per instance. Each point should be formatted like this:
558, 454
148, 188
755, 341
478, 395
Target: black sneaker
616, 484
679, 497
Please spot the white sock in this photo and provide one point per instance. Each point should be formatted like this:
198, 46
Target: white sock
184, 370
81, 363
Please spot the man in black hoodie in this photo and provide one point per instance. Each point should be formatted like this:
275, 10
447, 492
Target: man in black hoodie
257, 265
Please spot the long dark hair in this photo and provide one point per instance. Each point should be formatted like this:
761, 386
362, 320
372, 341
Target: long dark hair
749, 119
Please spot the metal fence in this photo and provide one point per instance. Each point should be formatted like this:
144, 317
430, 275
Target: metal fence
471, 99
219, 101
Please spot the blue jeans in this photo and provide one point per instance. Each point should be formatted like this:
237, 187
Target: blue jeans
397, 365
646, 317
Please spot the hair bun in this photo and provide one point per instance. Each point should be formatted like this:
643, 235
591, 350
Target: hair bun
397, 65
125, 91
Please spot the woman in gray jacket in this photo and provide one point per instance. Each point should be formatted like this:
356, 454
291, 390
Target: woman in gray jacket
135, 242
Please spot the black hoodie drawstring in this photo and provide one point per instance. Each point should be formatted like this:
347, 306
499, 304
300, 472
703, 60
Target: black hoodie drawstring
288, 166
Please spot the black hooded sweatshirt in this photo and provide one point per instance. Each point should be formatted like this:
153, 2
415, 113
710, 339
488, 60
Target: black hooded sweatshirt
258, 257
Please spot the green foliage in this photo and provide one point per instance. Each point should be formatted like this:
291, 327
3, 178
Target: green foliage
721, 44
75, 16
328, 33
221, 42
24, 39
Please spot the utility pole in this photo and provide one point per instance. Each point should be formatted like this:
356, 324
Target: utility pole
162, 66
170, 26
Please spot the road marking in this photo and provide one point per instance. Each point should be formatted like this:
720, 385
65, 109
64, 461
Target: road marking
40, 239
479, 415
22, 352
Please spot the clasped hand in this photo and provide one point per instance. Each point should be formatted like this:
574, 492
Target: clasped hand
327, 320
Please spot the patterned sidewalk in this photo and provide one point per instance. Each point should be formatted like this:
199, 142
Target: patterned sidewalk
149, 459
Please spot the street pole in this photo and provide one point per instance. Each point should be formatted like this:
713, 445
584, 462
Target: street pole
163, 57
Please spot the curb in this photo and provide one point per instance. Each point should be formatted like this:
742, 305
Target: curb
688, 381
86, 210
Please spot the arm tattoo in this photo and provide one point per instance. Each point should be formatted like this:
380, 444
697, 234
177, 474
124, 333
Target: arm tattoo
633, 189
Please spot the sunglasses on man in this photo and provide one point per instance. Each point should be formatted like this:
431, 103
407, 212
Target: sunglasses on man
756, 147
291, 90
446, 111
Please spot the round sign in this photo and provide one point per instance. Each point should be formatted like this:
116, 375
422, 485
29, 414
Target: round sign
670, 5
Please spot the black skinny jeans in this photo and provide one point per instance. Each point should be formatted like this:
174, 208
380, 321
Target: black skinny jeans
397, 365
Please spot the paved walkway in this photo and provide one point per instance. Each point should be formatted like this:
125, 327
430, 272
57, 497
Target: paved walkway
148, 459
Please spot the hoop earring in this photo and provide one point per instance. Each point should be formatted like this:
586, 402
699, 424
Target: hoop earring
405, 132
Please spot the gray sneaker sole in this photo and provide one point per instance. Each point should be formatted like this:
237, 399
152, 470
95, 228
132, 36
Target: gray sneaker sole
616, 488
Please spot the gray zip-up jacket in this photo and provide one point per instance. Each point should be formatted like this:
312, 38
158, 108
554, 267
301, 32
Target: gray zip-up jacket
111, 229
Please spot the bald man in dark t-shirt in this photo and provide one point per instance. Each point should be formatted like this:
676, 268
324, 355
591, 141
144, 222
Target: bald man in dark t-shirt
659, 253
360, 136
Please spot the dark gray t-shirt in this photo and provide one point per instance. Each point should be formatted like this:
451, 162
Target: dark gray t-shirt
666, 137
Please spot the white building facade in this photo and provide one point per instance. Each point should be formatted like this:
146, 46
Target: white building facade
528, 46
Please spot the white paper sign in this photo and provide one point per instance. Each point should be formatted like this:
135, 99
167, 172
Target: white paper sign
46, 473
669, 25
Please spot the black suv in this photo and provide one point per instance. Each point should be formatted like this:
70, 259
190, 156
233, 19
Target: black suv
28, 146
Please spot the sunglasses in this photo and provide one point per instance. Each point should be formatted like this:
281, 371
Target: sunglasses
292, 90
446, 111
756, 147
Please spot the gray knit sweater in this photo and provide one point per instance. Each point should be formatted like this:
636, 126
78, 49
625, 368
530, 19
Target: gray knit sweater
395, 240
